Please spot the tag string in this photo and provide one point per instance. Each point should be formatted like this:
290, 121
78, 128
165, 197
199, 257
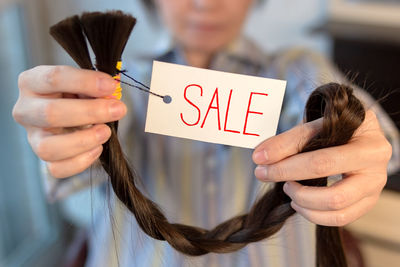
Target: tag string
166, 98
123, 72
140, 88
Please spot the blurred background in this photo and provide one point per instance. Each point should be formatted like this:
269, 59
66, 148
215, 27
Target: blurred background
360, 36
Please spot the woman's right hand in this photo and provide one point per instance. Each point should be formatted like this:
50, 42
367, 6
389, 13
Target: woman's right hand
54, 99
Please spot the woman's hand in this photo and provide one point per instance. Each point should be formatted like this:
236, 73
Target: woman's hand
53, 100
362, 161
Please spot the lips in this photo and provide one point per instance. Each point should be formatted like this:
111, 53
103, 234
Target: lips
205, 27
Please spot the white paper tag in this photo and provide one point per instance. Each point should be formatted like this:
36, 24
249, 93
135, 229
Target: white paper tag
213, 106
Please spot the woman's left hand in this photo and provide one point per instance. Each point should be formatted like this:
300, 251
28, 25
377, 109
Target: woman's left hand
362, 162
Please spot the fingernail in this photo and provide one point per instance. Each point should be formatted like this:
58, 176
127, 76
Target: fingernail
117, 110
261, 172
106, 85
260, 156
102, 134
285, 187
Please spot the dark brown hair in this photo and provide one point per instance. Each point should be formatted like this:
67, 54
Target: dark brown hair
342, 114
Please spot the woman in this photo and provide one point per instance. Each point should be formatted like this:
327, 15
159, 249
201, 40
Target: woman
198, 183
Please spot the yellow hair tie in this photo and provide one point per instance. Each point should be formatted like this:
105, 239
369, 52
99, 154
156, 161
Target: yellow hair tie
118, 91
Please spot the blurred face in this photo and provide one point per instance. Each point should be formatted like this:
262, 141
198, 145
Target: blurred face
203, 25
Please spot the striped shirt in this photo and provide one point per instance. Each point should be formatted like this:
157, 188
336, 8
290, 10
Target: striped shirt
204, 184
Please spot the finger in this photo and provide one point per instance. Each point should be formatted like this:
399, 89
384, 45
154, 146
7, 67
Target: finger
63, 146
50, 113
352, 157
370, 126
340, 195
68, 167
67, 79
337, 217
286, 144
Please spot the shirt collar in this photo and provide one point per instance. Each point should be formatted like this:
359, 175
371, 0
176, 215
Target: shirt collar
242, 50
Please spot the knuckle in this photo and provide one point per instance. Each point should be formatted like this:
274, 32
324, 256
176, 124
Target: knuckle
22, 80
82, 161
85, 161
52, 75
321, 164
337, 201
95, 157
340, 219
299, 195
100, 112
272, 151
372, 115
31, 138
278, 173
277, 147
387, 150
55, 170
17, 113
381, 150
49, 114
87, 141
42, 150
303, 139
95, 111
280, 147
303, 136
382, 180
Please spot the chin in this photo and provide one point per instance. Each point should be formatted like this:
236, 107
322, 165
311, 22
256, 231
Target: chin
207, 45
